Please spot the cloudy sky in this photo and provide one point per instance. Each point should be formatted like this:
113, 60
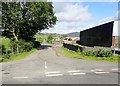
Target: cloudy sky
78, 16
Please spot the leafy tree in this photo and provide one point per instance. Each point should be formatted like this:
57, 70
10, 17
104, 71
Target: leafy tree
50, 38
39, 37
22, 20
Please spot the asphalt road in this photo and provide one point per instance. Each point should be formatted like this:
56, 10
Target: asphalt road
47, 67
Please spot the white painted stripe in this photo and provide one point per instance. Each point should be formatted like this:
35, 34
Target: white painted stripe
45, 65
74, 71
54, 75
77, 73
20, 77
99, 69
101, 72
53, 72
92, 70
115, 69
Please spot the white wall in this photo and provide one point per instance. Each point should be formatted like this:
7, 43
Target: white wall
116, 28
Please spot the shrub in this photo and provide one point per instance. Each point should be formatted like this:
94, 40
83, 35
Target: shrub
104, 53
6, 56
88, 53
36, 44
13, 46
25, 46
98, 53
9, 51
2, 49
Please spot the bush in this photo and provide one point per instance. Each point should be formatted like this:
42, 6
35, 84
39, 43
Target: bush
36, 44
6, 56
104, 53
9, 51
89, 53
2, 49
99, 53
25, 46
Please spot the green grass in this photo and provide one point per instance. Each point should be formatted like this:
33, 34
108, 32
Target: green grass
19, 56
78, 55
5, 42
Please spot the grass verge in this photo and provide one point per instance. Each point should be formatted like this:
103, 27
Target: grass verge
78, 55
19, 56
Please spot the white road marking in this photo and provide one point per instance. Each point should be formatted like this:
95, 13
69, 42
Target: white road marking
92, 70
20, 77
45, 65
77, 73
115, 69
54, 75
99, 69
74, 71
100, 72
53, 72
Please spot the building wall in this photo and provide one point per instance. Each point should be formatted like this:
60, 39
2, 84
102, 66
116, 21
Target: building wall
97, 36
116, 42
116, 34
113, 41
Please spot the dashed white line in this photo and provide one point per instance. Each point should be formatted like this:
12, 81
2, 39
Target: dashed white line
98, 69
77, 73
45, 65
74, 71
92, 70
20, 77
100, 72
53, 72
54, 75
115, 69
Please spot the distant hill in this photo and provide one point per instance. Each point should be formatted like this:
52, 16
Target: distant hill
73, 34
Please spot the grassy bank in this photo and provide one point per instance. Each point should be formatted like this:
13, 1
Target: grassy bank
5, 42
19, 56
78, 55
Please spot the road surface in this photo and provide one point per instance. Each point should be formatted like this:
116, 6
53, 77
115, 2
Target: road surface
47, 67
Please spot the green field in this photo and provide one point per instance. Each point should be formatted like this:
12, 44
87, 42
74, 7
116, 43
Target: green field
19, 56
5, 42
78, 55
48, 37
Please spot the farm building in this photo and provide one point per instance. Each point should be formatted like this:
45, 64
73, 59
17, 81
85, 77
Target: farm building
104, 35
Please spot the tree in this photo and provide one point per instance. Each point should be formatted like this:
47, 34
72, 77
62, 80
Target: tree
50, 38
22, 20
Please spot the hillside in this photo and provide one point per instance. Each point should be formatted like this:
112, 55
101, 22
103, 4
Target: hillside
73, 34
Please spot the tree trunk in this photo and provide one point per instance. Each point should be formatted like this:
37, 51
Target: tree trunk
17, 48
16, 40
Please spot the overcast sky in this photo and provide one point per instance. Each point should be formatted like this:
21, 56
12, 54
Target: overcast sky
77, 16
